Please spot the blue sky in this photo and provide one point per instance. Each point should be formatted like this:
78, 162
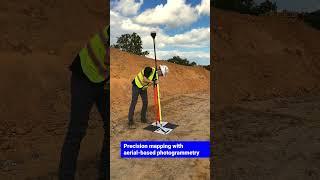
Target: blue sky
182, 26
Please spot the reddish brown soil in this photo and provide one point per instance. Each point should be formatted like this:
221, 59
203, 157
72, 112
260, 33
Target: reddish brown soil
263, 57
266, 98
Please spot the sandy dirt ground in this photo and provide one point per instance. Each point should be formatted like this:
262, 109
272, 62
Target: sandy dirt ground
266, 88
192, 113
272, 139
262, 57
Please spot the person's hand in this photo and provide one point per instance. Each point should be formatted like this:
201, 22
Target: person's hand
146, 80
156, 82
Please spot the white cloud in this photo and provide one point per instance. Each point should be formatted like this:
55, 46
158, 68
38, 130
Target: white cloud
194, 38
204, 7
122, 25
200, 57
127, 7
190, 44
173, 14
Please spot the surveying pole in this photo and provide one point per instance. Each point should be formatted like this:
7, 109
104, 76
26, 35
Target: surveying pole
156, 86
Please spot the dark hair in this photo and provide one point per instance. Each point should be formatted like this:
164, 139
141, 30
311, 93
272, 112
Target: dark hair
147, 71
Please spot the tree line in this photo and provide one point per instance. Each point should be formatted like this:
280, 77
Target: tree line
246, 6
313, 19
251, 7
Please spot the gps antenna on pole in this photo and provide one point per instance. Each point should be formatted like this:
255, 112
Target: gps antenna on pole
153, 35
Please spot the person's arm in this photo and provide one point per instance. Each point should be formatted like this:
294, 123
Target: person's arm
145, 79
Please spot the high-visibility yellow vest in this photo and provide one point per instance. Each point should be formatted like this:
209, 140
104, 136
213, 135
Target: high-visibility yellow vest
139, 79
95, 62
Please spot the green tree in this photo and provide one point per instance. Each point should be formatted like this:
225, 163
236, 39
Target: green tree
246, 6
227, 4
193, 63
267, 6
179, 60
313, 19
207, 67
130, 43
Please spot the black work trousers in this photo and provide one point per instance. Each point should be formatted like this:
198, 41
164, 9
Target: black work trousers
83, 96
144, 96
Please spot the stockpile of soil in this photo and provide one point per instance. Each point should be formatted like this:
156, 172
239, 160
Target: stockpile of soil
263, 57
50, 25
266, 98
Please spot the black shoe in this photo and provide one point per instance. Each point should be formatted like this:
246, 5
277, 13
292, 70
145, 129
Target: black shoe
145, 121
131, 125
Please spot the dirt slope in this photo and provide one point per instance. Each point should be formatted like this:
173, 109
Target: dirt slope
49, 25
38, 40
263, 57
124, 67
266, 96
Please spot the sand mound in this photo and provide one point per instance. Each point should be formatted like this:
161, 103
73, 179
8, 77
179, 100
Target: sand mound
263, 57
48, 25
260, 62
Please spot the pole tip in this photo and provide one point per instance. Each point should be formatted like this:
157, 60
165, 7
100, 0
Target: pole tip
153, 34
